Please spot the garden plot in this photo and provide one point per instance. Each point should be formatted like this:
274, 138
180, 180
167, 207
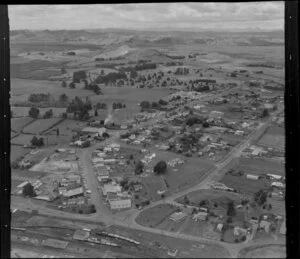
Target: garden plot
41, 125
17, 124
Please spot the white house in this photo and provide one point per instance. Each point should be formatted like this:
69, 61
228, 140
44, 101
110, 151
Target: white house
74, 192
111, 188
278, 184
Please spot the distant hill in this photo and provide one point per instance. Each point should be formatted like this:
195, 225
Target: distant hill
138, 38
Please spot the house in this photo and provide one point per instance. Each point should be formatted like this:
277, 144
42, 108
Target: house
275, 176
238, 231
265, 225
201, 215
252, 176
177, 216
173, 253
239, 133
81, 234
120, 203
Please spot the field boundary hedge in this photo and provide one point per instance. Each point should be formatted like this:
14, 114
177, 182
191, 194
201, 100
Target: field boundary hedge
52, 126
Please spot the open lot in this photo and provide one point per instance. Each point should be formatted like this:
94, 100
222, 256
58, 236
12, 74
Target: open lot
41, 125
22, 111
274, 137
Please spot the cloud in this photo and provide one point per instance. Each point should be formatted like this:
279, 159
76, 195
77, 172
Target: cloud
264, 15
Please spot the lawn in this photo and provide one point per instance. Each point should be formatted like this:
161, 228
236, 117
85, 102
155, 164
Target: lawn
25, 139
200, 229
28, 174
41, 125
273, 141
154, 216
17, 124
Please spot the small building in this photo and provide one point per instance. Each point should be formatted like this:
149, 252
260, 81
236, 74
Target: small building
81, 234
278, 184
120, 204
201, 215
177, 216
22, 184
252, 176
275, 176
55, 243
265, 225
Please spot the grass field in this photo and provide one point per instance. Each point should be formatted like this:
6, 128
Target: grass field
66, 127
14, 184
27, 173
265, 251
274, 137
22, 88
220, 197
17, 151
260, 166
17, 124
24, 139
243, 185
154, 216
40, 125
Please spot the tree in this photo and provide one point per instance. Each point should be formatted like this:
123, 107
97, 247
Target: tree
265, 113
160, 168
48, 114
63, 84
205, 124
186, 200
78, 76
34, 112
114, 106
86, 143
65, 115
145, 105
230, 209
63, 98
260, 197
139, 167
28, 190
92, 208
72, 85
63, 70
96, 113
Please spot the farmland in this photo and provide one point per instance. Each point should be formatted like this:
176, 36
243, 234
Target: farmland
17, 151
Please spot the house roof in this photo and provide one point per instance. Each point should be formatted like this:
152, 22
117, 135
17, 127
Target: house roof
81, 234
55, 243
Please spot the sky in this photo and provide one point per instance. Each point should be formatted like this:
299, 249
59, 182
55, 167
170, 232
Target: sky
241, 16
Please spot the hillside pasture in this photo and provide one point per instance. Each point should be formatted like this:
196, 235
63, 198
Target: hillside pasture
40, 125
